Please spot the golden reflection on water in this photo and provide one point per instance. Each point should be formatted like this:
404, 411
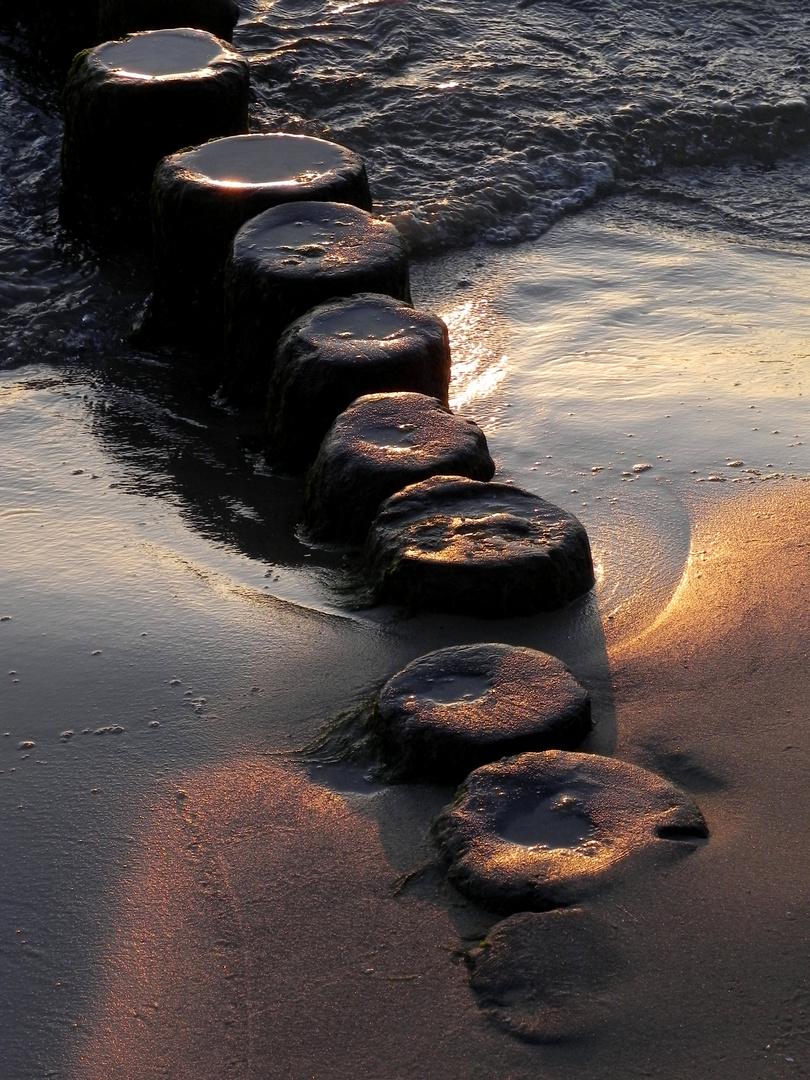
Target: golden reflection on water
478, 368
302, 178
13, 393
605, 348
352, 5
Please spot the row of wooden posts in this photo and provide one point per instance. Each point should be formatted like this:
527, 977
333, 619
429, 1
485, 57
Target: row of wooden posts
267, 256
252, 235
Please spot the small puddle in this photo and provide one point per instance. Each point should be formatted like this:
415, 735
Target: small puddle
691, 836
300, 236
388, 436
366, 322
558, 821
452, 689
264, 159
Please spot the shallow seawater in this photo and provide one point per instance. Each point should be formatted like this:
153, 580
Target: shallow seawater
617, 366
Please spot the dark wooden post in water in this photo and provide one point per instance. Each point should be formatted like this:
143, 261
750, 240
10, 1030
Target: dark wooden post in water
129, 103
286, 261
341, 350
200, 198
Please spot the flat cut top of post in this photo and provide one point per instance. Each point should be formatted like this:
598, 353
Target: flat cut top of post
259, 160
302, 240
160, 54
363, 320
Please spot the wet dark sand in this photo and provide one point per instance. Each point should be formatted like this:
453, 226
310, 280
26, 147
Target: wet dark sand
262, 933
151, 576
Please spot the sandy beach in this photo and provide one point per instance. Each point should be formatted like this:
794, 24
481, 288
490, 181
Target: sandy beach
260, 929
189, 901
188, 894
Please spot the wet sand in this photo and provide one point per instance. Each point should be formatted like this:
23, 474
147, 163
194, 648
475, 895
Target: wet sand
179, 897
169, 641
262, 928
715, 695
144, 652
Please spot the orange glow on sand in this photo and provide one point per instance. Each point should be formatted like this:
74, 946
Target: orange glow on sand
259, 924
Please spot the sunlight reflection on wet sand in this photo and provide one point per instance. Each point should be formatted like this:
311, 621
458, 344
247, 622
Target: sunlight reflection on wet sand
257, 931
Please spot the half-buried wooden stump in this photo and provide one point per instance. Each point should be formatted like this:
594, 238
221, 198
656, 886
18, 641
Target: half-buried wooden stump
544, 830
452, 710
119, 17
129, 103
200, 198
379, 445
487, 550
550, 976
341, 350
289, 259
